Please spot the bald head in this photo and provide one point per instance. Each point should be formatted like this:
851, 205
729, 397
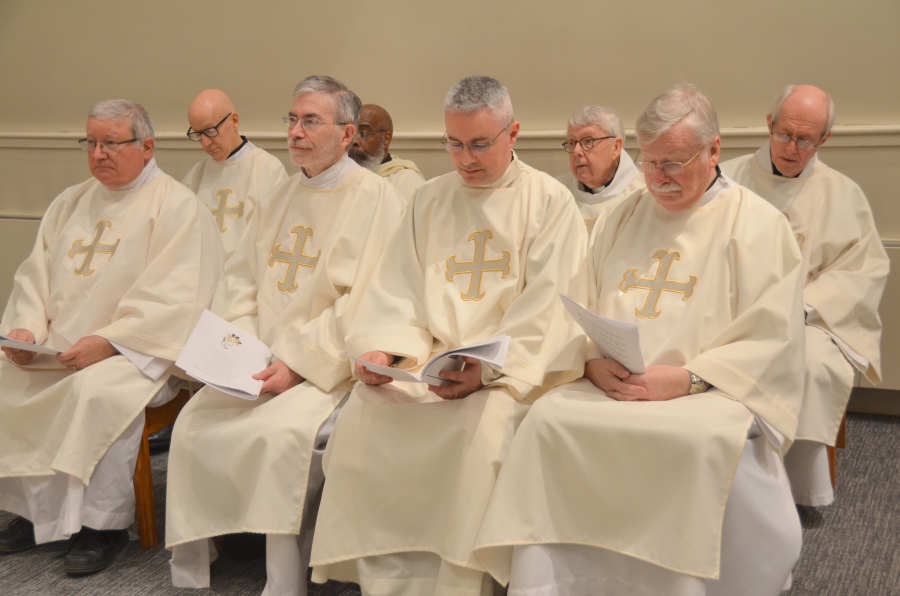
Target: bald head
802, 113
376, 126
207, 112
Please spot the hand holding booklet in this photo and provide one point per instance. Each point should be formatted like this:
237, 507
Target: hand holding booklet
224, 356
617, 340
8, 342
493, 351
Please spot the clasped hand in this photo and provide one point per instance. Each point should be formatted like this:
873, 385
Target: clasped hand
464, 382
658, 383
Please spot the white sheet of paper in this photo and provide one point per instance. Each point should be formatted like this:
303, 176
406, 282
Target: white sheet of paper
224, 356
24, 345
151, 366
493, 351
617, 340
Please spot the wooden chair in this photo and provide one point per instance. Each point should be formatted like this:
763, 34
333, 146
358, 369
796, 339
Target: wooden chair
155, 419
841, 443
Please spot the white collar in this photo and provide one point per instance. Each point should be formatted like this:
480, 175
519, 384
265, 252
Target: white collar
330, 177
721, 183
624, 175
241, 153
764, 159
147, 175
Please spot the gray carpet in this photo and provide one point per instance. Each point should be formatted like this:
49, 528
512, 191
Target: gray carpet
851, 548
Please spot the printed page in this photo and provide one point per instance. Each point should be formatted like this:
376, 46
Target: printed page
617, 340
24, 345
224, 356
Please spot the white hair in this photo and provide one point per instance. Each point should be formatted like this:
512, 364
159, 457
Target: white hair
605, 118
346, 103
785, 93
476, 92
684, 103
120, 109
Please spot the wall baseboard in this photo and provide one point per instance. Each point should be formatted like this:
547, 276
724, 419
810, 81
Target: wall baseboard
867, 400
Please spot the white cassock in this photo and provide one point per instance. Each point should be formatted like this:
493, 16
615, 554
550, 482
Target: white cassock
844, 271
403, 174
232, 189
409, 475
599, 496
593, 202
135, 266
295, 283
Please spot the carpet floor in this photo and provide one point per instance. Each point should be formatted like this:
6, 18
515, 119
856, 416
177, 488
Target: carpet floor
851, 548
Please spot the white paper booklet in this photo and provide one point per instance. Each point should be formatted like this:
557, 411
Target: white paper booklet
24, 345
617, 340
224, 356
493, 351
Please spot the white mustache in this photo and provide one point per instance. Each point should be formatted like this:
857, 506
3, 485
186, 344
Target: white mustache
670, 187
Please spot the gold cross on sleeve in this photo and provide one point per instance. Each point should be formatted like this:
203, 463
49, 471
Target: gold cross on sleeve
78, 248
294, 259
478, 266
656, 285
223, 209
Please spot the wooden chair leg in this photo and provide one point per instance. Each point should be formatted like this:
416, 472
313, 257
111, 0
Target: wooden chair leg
143, 496
841, 442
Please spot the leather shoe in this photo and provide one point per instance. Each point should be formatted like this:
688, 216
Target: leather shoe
94, 550
161, 439
18, 535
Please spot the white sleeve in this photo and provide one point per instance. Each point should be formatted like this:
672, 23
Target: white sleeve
860, 363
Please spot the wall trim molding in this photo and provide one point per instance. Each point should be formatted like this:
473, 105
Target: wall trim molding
877, 135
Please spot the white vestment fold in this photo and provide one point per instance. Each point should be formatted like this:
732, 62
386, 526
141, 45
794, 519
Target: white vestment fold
403, 174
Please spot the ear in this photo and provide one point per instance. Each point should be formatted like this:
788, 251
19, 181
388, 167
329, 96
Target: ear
513, 133
348, 136
715, 152
235, 120
828, 136
147, 148
769, 122
617, 147
387, 141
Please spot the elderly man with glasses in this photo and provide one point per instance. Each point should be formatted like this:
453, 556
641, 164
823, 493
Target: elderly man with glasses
122, 268
295, 282
236, 174
844, 272
482, 251
371, 150
667, 478
600, 170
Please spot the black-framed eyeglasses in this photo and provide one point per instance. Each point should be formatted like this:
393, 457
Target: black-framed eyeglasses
802, 144
587, 143
672, 168
212, 131
364, 134
479, 148
90, 145
308, 124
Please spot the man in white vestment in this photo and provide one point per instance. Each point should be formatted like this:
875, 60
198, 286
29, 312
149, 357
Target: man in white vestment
601, 171
236, 174
845, 268
122, 267
482, 251
371, 149
667, 481
294, 282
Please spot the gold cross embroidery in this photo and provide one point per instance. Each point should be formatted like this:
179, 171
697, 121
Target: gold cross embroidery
78, 248
478, 265
590, 223
657, 286
294, 258
800, 237
223, 209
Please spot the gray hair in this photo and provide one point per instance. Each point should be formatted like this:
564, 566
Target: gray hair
473, 93
120, 109
605, 118
684, 103
786, 92
347, 104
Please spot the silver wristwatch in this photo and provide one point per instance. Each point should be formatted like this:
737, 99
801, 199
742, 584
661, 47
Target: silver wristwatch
698, 385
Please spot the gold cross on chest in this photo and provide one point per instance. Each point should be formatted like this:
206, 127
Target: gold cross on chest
78, 248
477, 266
223, 209
656, 285
294, 258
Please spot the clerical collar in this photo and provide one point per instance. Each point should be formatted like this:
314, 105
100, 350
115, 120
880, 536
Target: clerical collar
237, 150
625, 173
764, 159
150, 172
330, 177
387, 158
720, 183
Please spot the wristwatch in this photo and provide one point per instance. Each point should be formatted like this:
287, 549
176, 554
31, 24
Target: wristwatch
698, 385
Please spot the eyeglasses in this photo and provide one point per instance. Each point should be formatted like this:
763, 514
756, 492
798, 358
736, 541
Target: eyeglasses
673, 168
587, 143
90, 145
479, 148
802, 144
308, 124
210, 132
364, 134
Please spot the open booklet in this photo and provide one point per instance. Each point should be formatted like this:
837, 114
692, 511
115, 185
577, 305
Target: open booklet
617, 340
7, 342
224, 356
493, 351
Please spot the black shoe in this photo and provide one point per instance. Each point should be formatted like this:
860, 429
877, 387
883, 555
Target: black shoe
160, 440
246, 546
18, 535
94, 550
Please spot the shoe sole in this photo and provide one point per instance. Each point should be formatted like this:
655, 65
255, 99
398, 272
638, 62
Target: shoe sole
123, 542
